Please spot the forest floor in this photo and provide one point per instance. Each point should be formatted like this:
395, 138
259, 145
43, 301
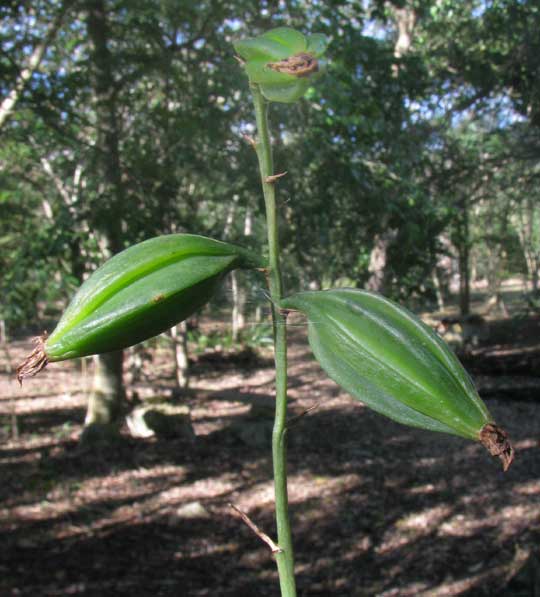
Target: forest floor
378, 509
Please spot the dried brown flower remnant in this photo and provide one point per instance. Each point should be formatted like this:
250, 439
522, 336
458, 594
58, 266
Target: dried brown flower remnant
298, 65
497, 442
35, 361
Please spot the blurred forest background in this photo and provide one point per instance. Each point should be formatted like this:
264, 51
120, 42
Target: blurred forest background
413, 169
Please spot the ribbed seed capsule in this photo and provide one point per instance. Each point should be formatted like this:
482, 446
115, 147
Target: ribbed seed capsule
386, 357
282, 62
137, 294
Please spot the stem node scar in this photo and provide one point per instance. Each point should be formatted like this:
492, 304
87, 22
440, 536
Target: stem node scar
295, 420
273, 177
262, 536
250, 140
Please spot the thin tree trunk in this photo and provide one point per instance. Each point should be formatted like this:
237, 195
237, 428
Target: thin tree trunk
10, 101
4, 344
531, 248
438, 289
108, 144
238, 292
535, 281
9, 370
527, 223
405, 19
463, 260
108, 392
69, 195
104, 406
464, 282
377, 261
239, 302
181, 359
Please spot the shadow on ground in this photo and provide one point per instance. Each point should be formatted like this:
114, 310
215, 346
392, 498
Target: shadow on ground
378, 509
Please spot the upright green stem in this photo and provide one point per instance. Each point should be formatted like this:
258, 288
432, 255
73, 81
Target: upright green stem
285, 558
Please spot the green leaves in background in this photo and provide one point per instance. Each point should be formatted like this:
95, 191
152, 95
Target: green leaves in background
140, 293
386, 357
283, 62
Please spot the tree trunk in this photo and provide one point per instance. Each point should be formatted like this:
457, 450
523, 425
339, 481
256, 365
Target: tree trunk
10, 101
9, 369
111, 190
239, 301
438, 289
238, 291
530, 244
463, 259
377, 262
181, 360
108, 392
495, 299
534, 281
405, 19
464, 282
104, 405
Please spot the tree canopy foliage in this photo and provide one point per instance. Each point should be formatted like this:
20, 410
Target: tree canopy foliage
420, 140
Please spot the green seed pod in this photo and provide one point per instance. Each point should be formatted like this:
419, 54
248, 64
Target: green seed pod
282, 62
386, 357
137, 294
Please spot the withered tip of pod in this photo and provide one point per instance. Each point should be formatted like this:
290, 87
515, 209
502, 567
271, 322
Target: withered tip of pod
497, 442
35, 361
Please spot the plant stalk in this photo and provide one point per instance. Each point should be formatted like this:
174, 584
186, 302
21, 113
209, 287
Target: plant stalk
285, 558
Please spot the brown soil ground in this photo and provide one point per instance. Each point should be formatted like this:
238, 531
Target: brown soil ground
378, 509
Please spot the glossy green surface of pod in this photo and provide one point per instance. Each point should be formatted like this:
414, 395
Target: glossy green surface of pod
387, 358
141, 292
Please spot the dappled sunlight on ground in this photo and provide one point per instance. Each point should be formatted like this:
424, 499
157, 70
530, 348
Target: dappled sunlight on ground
378, 509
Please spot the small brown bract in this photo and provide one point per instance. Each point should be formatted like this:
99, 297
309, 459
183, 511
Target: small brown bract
298, 65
